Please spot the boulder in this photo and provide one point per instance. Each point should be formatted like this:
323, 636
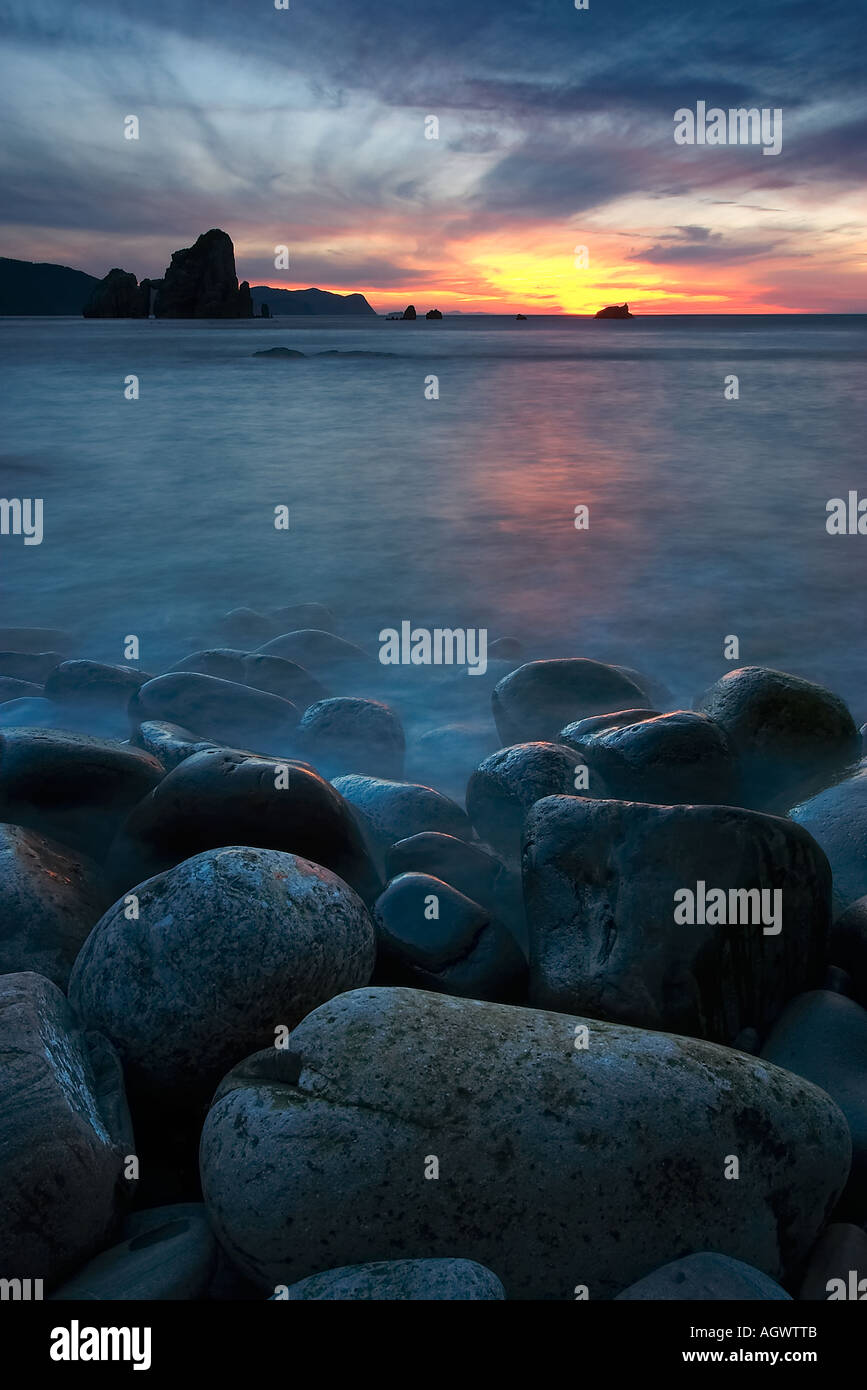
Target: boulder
71, 787
29, 666
387, 1280
201, 282
225, 797
170, 743
389, 811
226, 948
578, 734
93, 683
503, 788
791, 736
224, 711
849, 947
837, 820
284, 678
537, 699
64, 1134
118, 296
559, 1164
174, 1260
430, 936
823, 1036
671, 759
614, 934
226, 663
50, 897
248, 626
321, 653
469, 868
12, 689
343, 735
705, 1277
840, 1251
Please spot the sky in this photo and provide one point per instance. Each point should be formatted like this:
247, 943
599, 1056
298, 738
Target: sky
308, 128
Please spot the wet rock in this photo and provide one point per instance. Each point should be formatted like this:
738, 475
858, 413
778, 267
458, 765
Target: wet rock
35, 641
71, 787
174, 1260
537, 699
247, 626
398, 1078
350, 735
31, 712
94, 683
225, 797
64, 1134
705, 1277
12, 689
840, 1252
284, 678
823, 1037
321, 653
501, 791
467, 867
432, 937
118, 296
29, 666
226, 663
578, 734
427, 1280
837, 820
849, 947
224, 1281
672, 759
791, 736
170, 743
224, 711
226, 948
605, 886
390, 811
50, 898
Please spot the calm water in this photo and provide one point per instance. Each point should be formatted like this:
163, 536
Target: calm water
707, 516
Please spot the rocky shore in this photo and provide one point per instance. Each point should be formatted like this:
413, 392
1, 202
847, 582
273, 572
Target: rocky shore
556, 993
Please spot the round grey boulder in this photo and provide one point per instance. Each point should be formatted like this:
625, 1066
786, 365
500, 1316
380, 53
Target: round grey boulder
170, 743
50, 898
284, 678
344, 735
223, 950
533, 702
64, 1134
225, 711
388, 811
503, 788
563, 1148
225, 663
93, 683
388, 1280
672, 759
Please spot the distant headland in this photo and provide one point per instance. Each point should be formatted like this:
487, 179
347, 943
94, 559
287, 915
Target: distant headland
199, 283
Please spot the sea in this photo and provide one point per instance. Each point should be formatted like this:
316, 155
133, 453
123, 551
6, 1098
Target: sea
431, 472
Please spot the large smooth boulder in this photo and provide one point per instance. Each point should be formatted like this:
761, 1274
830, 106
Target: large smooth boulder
346, 734
284, 678
468, 867
224, 663
431, 936
248, 626
170, 743
605, 886
225, 948
322, 654
50, 897
389, 811
837, 820
672, 759
706, 1276
224, 797
503, 788
533, 702
93, 683
386, 1280
823, 1036
64, 1134
559, 1163
13, 689
791, 736
29, 666
175, 1259
71, 787
224, 711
